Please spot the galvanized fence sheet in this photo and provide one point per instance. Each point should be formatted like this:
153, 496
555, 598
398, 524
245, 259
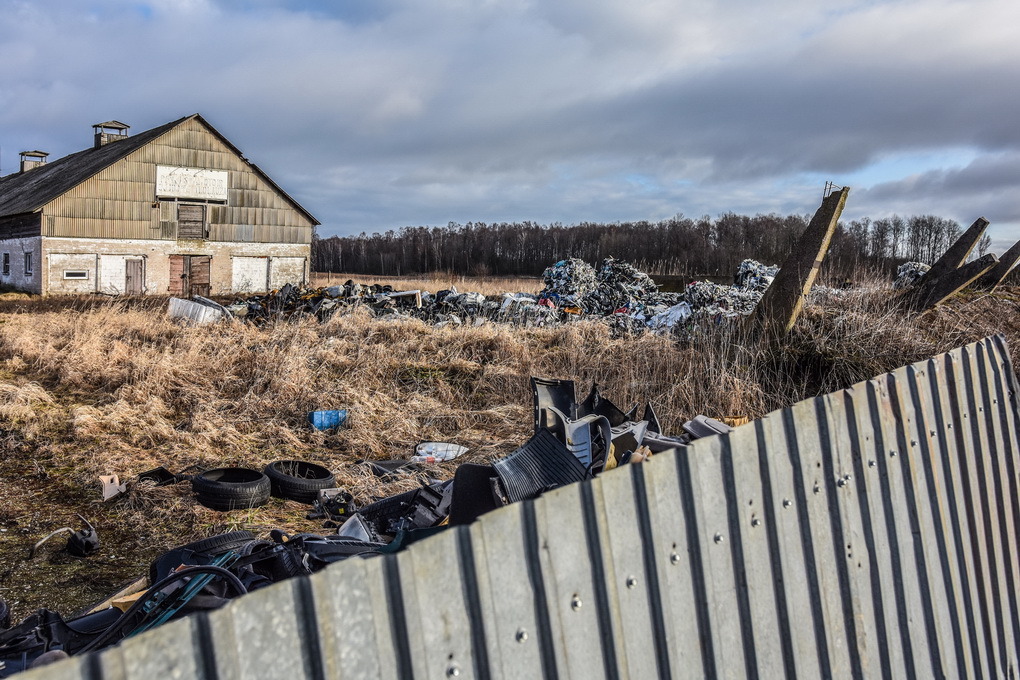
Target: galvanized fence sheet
871, 532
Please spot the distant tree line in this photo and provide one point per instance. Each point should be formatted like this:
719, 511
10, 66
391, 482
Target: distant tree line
676, 246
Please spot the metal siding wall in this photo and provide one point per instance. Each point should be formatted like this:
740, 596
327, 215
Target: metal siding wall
117, 202
867, 533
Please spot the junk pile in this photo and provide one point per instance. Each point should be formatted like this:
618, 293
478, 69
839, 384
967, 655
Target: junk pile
908, 273
573, 441
616, 291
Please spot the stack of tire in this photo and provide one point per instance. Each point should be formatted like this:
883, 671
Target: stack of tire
242, 488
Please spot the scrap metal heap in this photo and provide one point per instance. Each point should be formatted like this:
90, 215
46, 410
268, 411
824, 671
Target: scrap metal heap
615, 291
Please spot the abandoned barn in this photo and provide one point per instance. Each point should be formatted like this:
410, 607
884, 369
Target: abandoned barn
174, 210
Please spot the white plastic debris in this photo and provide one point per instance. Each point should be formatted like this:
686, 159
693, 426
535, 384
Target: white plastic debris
437, 452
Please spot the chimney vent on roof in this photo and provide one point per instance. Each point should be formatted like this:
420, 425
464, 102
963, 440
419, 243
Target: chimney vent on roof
110, 131
32, 159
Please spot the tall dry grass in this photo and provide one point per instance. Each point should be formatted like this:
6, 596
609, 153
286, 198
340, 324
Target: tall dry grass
118, 387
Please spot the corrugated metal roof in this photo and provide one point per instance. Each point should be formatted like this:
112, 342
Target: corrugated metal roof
29, 191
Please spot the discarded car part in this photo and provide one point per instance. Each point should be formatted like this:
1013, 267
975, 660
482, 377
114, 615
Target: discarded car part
298, 480
549, 393
437, 452
588, 438
651, 418
389, 468
328, 420
703, 426
231, 488
159, 476
419, 508
112, 486
542, 463
83, 542
213, 546
195, 312
597, 404
333, 504
629, 437
357, 528
476, 491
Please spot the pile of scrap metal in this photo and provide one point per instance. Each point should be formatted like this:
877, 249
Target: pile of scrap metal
909, 273
573, 441
616, 291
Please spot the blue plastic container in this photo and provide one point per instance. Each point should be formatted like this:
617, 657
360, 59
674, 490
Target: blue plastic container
327, 420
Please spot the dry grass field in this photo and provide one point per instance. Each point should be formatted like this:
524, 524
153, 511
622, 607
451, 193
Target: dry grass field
92, 386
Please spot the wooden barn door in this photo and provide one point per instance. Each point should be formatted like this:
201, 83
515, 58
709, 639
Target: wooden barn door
200, 278
190, 221
179, 274
189, 275
134, 277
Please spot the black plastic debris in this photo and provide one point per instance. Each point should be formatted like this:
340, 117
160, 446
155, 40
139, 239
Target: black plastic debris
543, 463
703, 426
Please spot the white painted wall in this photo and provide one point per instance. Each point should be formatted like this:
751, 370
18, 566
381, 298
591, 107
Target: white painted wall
59, 263
249, 274
112, 274
284, 270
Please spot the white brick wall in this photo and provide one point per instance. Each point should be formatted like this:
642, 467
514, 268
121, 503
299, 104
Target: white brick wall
15, 249
288, 263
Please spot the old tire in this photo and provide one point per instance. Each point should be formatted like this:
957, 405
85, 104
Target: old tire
231, 488
298, 481
217, 545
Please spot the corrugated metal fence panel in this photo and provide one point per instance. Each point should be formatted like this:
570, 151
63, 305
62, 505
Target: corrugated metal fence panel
867, 533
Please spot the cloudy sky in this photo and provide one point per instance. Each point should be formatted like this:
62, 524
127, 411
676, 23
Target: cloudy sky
376, 114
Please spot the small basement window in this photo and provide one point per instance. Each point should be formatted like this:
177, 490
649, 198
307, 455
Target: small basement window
7, 264
76, 273
28, 264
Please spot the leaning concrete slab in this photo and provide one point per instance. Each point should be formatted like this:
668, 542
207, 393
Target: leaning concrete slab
958, 253
997, 273
931, 291
781, 305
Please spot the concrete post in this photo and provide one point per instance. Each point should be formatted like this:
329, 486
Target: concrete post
930, 291
782, 303
957, 254
997, 273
